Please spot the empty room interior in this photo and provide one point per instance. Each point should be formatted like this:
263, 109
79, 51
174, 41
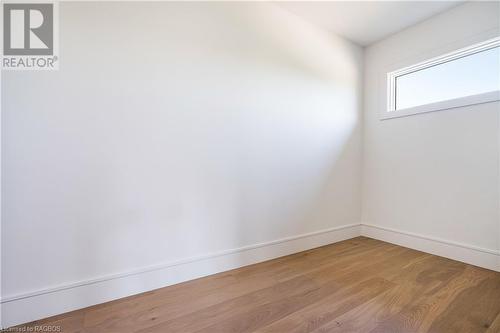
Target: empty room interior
239, 166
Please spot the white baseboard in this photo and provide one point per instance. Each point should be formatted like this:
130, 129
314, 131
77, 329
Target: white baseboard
26, 307
23, 308
473, 255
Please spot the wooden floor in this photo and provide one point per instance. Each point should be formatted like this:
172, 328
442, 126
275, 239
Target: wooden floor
359, 285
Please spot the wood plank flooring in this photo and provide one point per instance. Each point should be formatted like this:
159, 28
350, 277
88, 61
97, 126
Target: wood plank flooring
358, 285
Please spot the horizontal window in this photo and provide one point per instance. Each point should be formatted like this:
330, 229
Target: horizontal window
464, 77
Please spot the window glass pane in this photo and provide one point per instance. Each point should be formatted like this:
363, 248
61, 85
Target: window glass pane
471, 75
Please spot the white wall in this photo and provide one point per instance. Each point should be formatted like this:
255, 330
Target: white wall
437, 174
173, 130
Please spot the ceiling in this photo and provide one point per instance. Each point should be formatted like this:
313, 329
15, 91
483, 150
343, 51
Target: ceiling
366, 22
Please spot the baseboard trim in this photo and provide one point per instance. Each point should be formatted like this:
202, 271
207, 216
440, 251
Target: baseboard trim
469, 254
30, 306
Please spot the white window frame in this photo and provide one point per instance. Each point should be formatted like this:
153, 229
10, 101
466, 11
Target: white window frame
486, 97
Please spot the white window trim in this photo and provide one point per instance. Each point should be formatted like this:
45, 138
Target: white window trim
487, 97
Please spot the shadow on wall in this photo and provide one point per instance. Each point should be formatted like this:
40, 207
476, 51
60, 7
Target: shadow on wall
196, 127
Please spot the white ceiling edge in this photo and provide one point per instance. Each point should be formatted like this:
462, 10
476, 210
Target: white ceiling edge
366, 22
